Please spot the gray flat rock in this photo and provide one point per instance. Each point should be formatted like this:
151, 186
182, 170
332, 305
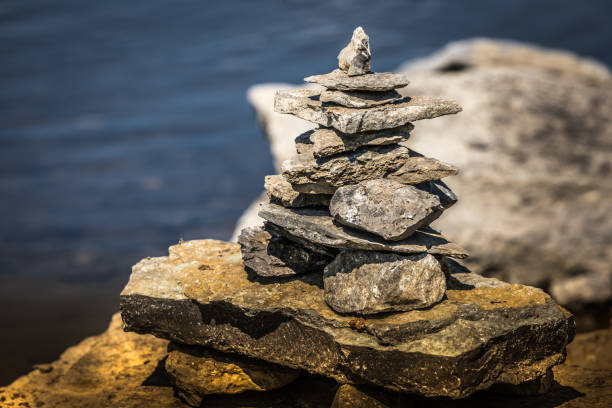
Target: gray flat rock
385, 207
373, 81
360, 99
324, 175
306, 104
354, 59
324, 142
270, 255
280, 191
318, 226
370, 282
474, 338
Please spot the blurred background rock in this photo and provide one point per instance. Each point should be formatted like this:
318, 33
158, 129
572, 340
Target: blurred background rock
124, 126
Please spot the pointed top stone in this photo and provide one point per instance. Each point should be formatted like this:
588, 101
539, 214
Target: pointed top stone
354, 59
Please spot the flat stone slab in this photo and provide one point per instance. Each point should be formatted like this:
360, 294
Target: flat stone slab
318, 226
372, 81
386, 208
483, 332
371, 282
306, 104
324, 142
360, 99
280, 191
325, 175
270, 255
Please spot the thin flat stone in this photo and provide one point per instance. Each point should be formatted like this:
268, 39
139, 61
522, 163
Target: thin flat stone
318, 226
354, 59
384, 207
305, 104
324, 142
280, 191
324, 175
478, 335
270, 255
360, 99
370, 282
373, 81
441, 190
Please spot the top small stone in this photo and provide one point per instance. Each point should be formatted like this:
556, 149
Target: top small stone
354, 59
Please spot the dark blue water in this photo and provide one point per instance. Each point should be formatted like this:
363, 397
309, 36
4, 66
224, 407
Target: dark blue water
124, 126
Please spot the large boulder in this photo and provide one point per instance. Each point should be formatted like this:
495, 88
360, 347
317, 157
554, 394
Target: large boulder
534, 147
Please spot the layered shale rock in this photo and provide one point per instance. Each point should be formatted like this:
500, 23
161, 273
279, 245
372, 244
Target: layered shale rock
305, 104
373, 81
271, 255
281, 191
354, 59
369, 282
323, 176
483, 332
360, 99
317, 226
196, 372
385, 207
324, 142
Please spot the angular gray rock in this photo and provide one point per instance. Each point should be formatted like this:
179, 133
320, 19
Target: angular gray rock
373, 81
441, 190
324, 175
354, 59
475, 337
270, 255
360, 99
370, 282
305, 104
386, 208
317, 226
280, 191
324, 142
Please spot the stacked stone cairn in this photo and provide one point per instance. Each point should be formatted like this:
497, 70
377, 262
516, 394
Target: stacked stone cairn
346, 279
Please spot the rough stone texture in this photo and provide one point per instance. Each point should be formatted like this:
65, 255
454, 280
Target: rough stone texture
196, 372
442, 191
349, 396
360, 99
385, 207
373, 81
584, 380
354, 59
370, 282
534, 144
270, 255
280, 191
317, 226
311, 175
113, 369
305, 104
325, 142
477, 336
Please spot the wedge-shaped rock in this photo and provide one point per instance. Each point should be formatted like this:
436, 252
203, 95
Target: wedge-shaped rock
318, 226
483, 332
196, 372
270, 255
324, 142
305, 104
324, 175
370, 282
360, 99
373, 81
354, 59
280, 191
385, 207
440, 190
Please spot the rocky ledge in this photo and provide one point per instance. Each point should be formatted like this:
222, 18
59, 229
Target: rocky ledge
484, 331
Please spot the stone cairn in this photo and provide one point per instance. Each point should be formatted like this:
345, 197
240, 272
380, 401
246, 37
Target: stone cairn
346, 279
